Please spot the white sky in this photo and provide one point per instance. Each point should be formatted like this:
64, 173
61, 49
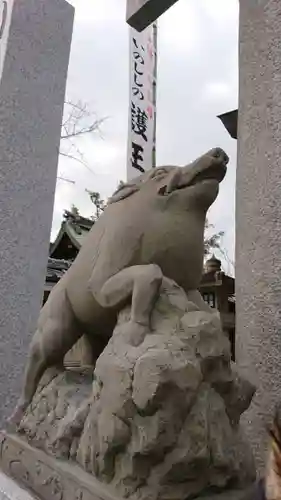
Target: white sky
197, 80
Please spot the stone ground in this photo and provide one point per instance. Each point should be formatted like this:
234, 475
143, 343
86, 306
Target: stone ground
9, 490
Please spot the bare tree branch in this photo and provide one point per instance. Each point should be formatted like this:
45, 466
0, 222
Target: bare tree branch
72, 157
79, 121
230, 263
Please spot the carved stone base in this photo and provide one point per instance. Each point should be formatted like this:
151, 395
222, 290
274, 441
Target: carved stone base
157, 420
52, 479
48, 478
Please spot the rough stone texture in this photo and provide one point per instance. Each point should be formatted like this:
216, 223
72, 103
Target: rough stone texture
258, 216
32, 94
141, 13
59, 407
52, 479
48, 478
163, 417
152, 224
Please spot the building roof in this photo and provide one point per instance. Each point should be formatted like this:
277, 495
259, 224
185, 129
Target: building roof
214, 276
56, 269
75, 227
214, 260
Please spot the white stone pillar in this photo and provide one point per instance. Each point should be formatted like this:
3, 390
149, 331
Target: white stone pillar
34, 47
258, 212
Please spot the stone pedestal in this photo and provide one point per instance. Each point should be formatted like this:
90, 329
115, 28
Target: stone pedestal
34, 46
258, 218
158, 420
47, 477
54, 479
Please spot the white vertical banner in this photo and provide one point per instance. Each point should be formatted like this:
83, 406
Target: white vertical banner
142, 104
6, 7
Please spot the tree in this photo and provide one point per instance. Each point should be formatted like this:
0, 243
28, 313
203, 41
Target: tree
99, 203
78, 122
213, 241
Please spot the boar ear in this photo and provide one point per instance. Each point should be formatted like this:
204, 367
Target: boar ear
123, 191
127, 189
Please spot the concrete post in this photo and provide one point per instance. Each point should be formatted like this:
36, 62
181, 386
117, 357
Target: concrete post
34, 46
258, 212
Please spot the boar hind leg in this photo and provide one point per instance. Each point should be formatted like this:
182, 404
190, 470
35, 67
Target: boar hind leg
57, 331
141, 284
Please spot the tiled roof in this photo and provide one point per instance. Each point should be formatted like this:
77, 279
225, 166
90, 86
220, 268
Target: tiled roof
76, 227
56, 269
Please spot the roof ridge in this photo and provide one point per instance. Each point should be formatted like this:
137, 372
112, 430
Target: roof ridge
77, 219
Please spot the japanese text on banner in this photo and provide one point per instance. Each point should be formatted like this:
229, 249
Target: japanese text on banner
142, 113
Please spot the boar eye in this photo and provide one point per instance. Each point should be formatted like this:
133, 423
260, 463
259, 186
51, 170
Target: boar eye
160, 173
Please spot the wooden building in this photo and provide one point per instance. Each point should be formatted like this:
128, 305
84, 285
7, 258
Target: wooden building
216, 287
218, 290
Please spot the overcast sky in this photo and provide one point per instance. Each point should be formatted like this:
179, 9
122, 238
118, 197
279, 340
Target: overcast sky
197, 80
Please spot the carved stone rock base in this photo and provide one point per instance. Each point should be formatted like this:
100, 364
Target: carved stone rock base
47, 477
52, 479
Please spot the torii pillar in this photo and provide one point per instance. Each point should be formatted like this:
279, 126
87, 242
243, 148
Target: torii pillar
35, 40
258, 202
258, 212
